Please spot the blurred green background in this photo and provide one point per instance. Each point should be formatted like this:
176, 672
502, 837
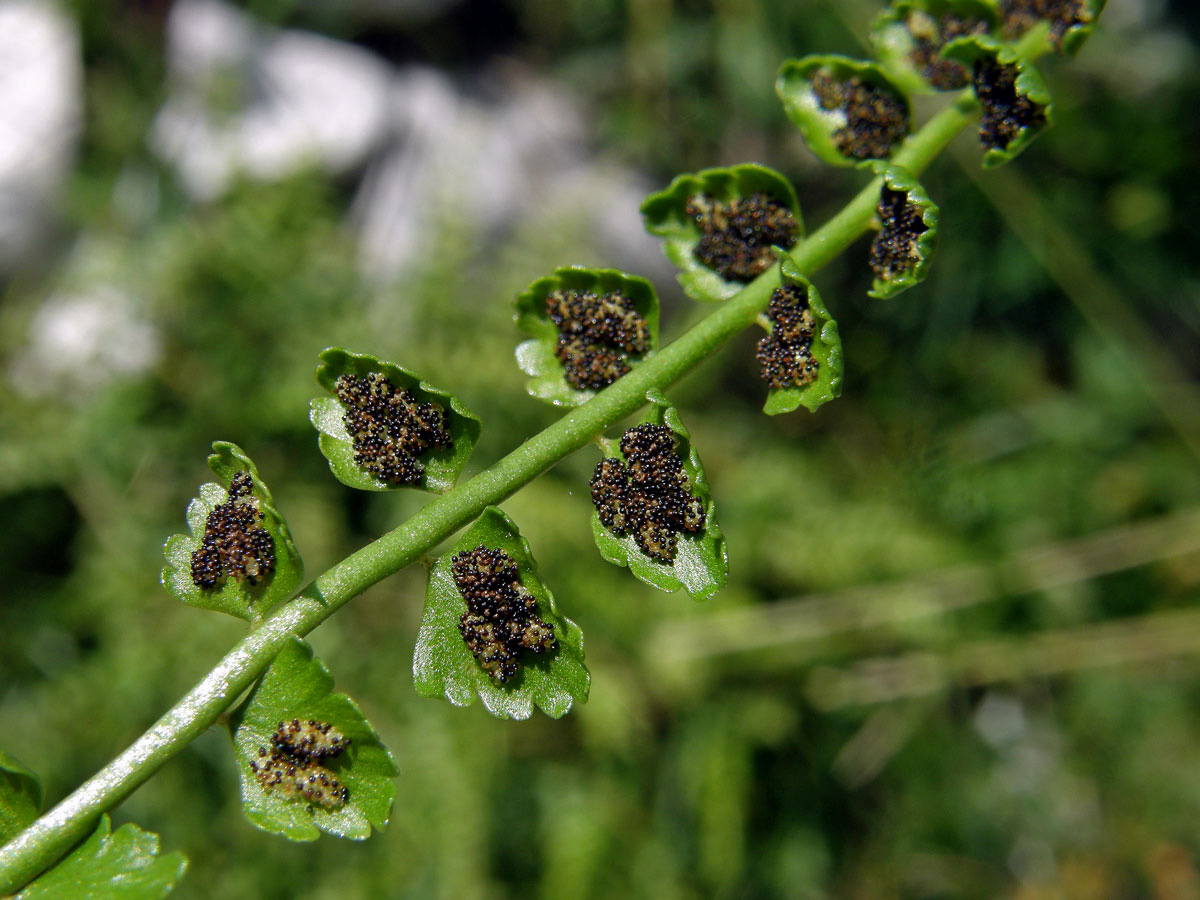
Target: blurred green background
959, 652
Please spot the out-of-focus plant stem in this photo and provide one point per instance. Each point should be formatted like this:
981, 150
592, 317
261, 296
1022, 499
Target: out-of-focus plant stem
790, 626
1135, 639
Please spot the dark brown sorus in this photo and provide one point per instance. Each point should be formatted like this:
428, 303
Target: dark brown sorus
1006, 113
736, 236
501, 622
895, 251
785, 355
1018, 16
292, 767
647, 494
929, 36
876, 119
234, 543
308, 739
390, 428
597, 333
299, 779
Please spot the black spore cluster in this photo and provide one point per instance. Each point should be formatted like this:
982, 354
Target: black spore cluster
647, 494
929, 36
596, 335
501, 621
1006, 112
785, 355
736, 237
293, 765
234, 543
876, 119
308, 739
1018, 16
390, 428
894, 250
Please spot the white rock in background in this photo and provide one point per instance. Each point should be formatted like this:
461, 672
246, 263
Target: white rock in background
78, 342
612, 194
486, 166
437, 154
392, 203
41, 88
204, 38
302, 99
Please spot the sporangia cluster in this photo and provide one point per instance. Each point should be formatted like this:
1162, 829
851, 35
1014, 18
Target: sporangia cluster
293, 766
875, 118
234, 542
894, 250
390, 428
308, 739
785, 355
736, 237
1019, 16
1006, 113
929, 36
501, 621
596, 335
647, 494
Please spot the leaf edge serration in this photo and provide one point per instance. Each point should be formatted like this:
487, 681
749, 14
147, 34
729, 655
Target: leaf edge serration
664, 215
233, 597
535, 357
817, 125
785, 400
315, 700
708, 546
441, 468
443, 666
899, 178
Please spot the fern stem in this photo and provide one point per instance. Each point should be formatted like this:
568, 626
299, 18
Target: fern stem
44, 841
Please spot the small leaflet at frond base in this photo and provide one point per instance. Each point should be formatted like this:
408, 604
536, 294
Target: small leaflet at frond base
588, 327
492, 629
117, 865
653, 510
309, 759
384, 428
720, 226
239, 557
